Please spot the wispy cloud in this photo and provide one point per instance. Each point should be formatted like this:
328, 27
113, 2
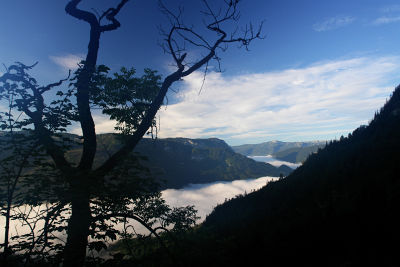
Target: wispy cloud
390, 8
391, 14
333, 23
386, 20
69, 61
324, 99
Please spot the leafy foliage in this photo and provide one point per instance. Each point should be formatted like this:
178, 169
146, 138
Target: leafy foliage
122, 96
34, 194
134, 114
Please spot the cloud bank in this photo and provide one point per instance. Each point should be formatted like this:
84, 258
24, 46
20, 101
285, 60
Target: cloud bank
275, 162
207, 196
315, 102
333, 23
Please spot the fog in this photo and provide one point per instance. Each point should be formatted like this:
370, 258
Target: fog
275, 162
206, 196
203, 196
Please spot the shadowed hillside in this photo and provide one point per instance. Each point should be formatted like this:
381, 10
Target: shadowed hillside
340, 208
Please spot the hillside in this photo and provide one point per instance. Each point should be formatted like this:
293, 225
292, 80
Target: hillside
340, 208
180, 161
271, 147
176, 162
297, 154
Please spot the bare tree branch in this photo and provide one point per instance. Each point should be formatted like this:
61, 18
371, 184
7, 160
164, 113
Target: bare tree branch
178, 52
104, 217
72, 9
146, 123
110, 15
85, 116
51, 85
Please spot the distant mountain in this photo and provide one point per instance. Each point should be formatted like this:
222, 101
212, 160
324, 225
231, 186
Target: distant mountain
340, 208
180, 161
297, 154
271, 147
177, 162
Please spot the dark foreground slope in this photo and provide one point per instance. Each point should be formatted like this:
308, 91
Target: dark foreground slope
341, 208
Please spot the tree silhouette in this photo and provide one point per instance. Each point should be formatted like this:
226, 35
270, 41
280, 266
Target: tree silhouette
85, 180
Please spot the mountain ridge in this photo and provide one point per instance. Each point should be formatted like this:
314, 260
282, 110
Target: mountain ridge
176, 162
271, 147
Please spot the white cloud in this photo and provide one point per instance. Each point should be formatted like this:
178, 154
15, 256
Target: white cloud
333, 23
324, 99
102, 122
321, 101
386, 20
69, 61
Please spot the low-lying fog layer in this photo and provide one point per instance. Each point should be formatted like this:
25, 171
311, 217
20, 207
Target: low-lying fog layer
275, 162
206, 196
203, 196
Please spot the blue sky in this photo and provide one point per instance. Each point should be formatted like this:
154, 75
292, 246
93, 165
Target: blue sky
323, 68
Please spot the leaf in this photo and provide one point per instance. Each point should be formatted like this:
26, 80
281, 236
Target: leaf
98, 245
111, 235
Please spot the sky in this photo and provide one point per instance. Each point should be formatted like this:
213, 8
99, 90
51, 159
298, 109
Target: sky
323, 69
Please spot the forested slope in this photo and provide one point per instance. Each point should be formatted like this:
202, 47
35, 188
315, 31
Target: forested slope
340, 208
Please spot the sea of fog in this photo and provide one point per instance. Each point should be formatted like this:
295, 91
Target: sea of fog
203, 196
206, 196
275, 162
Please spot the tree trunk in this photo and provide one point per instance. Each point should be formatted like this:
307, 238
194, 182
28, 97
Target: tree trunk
78, 231
6, 251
